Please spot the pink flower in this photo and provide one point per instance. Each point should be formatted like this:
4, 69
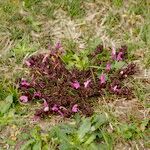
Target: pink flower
86, 83
46, 107
37, 95
75, 108
45, 57
119, 56
113, 53
102, 79
28, 63
58, 45
24, 83
108, 67
121, 72
55, 108
115, 88
24, 99
75, 84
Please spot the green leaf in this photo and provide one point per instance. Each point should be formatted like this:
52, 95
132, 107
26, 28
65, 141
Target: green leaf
27, 145
92, 44
107, 138
60, 134
84, 128
76, 57
92, 146
118, 64
37, 146
9, 98
99, 120
6, 104
90, 139
127, 134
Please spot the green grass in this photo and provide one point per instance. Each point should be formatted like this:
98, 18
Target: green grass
23, 49
28, 26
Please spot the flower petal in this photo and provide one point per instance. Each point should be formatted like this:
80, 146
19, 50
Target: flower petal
75, 108
86, 83
24, 99
24, 83
102, 79
37, 95
27, 63
55, 108
108, 67
58, 45
46, 109
46, 106
75, 84
113, 53
119, 56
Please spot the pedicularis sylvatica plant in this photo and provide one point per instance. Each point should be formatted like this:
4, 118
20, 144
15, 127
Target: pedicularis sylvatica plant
67, 82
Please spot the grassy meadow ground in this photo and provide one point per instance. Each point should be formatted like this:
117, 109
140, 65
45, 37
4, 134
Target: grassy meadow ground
30, 26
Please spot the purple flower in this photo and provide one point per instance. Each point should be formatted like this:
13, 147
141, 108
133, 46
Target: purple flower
58, 45
55, 108
113, 53
24, 99
108, 67
102, 79
46, 107
86, 83
37, 95
27, 63
45, 57
119, 56
121, 72
75, 108
75, 84
24, 83
115, 88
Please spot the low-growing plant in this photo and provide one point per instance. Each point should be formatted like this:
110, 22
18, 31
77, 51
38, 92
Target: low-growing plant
88, 134
68, 91
84, 133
